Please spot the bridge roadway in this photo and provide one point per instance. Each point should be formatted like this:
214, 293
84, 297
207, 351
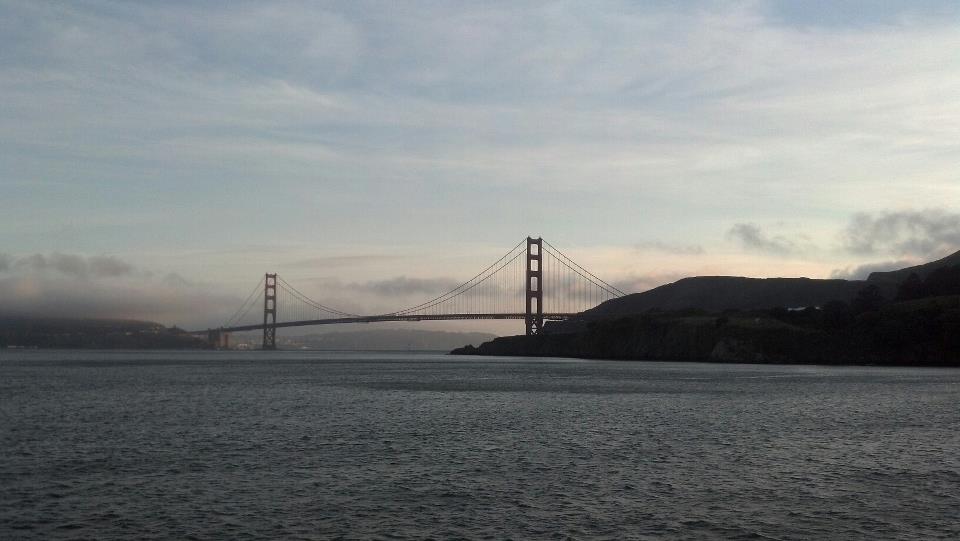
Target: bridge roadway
381, 318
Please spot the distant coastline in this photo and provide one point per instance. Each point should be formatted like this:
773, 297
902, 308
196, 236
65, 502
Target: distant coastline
70, 333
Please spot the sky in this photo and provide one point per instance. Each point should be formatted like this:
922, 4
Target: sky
156, 158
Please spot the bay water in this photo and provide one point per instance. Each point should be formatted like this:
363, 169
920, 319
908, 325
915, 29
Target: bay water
318, 445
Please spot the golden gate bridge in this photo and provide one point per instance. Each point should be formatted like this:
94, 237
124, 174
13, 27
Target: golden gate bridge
533, 281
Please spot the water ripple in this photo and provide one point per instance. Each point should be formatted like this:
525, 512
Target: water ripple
113, 445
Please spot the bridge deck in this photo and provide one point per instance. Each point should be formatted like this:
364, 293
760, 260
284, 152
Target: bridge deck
382, 318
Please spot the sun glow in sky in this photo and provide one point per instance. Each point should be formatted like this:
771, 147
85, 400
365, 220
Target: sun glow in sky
156, 158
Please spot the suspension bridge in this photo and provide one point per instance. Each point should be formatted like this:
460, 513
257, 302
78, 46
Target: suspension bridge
534, 281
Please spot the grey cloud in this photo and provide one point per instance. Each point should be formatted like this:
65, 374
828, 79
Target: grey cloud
670, 248
333, 292
173, 279
109, 266
38, 295
355, 79
75, 286
32, 262
402, 285
75, 266
69, 264
751, 236
927, 233
341, 261
378, 296
861, 272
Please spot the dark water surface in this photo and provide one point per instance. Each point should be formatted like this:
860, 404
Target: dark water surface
113, 445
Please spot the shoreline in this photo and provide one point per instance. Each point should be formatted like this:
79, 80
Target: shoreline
722, 339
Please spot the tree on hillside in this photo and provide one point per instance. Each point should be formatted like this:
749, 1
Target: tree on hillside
911, 288
836, 314
943, 281
869, 299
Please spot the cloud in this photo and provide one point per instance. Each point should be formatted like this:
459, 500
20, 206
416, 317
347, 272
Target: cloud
34, 296
108, 266
66, 264
402, 286
71, 265
670, 248
79, 286
342, 261
752, 237
173, 279
613, 95
367, 132
861, 272
924, 234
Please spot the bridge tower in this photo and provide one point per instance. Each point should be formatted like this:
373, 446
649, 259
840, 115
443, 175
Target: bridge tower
534, 285
270, 311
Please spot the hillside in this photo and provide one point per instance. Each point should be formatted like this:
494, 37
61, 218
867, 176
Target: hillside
719, 293
913, 333
922, 271
68, 333
914, 321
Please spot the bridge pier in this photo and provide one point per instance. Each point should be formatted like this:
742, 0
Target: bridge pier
270, 311
534, 286
213, 338
218, 338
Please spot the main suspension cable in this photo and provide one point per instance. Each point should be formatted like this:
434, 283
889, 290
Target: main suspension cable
456, 290
312, 302
596, 280
244, 309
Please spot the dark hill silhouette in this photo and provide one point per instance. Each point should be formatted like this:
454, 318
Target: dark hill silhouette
720, 293
879, 322
922, 271
46, 332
